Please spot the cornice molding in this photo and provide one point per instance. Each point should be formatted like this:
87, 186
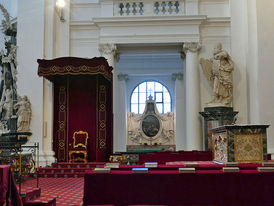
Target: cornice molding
194, 20
218, 19
82, 23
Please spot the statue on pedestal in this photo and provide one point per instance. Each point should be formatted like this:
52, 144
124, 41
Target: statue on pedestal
15, 112
218, 72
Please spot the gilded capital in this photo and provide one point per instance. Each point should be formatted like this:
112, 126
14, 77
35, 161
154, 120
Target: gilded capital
191, 46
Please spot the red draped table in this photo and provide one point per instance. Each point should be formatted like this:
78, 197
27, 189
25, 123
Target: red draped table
8, 190
206, 187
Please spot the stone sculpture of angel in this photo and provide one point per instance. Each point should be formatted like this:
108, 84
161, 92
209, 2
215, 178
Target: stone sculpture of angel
218, 72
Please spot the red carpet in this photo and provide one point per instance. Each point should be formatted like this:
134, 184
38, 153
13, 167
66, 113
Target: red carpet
69, 191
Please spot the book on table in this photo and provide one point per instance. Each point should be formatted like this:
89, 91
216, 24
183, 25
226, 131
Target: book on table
266, 164
187, 170
265, 169
191, 164
231, 169
112, 165
140, 170
231, 164
151, 164
102, 170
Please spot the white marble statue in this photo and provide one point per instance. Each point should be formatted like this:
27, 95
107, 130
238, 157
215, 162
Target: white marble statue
3, 127
218, 71
24, 114
167, 127
6, 104
134, 127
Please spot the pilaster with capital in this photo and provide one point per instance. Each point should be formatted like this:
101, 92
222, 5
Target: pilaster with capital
121, 116
109, 51
193, 47
122, 77
193, 124
177, 76
179, 112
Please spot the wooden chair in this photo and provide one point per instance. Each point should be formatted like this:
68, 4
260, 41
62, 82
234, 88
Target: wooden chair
78, 153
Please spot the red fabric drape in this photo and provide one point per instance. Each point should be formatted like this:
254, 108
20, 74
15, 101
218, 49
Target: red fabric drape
60, 119
104, 120
53, 68
82, 110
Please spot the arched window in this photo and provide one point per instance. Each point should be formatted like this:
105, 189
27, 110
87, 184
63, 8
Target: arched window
158, 92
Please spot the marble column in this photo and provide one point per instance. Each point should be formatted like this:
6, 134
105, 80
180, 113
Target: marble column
121, 116
192, 96
46, 152
109, 51
179, 111
47, 143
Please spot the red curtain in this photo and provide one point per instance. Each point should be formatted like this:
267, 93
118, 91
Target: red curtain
82, 110
83, 103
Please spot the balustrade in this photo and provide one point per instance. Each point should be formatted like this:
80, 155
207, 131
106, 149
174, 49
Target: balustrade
149, 8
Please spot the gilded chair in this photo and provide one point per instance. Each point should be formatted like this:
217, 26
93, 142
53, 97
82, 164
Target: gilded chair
78, 151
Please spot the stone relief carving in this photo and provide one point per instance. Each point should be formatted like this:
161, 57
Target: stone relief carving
150, 128
15, 112
218, 72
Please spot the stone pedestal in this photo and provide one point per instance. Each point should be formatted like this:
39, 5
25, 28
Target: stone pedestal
215, 117
240, 143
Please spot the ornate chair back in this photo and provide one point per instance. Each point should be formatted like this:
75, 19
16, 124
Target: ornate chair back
78, 153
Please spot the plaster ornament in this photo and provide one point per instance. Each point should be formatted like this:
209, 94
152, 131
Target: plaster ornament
151, 127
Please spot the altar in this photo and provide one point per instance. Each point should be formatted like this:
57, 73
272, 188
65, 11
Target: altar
240, 143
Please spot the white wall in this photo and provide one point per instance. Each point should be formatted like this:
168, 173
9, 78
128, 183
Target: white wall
265, 24
214, 8
30, 41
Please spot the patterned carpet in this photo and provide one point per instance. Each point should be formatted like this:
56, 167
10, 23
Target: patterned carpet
69, 191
